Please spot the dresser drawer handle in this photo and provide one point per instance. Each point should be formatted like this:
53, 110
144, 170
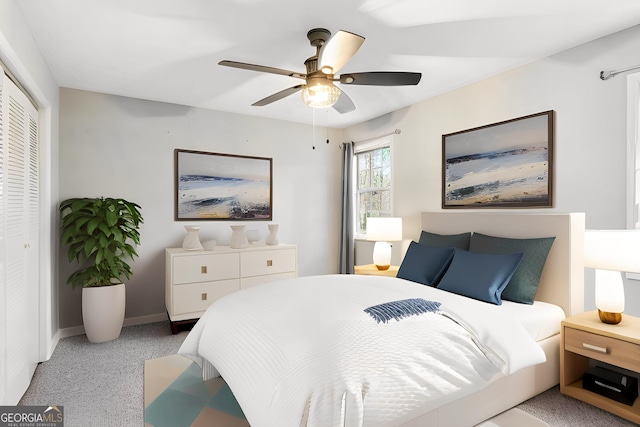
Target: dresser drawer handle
204, 296
203, 269
595, 348
269, 263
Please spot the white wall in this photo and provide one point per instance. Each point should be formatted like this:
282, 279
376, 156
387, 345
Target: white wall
103, 134
21, 56
123, 147
590, 134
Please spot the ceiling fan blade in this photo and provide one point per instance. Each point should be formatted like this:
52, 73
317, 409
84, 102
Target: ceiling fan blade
277, 96
344, 104
262, 69
338, 51
381, 78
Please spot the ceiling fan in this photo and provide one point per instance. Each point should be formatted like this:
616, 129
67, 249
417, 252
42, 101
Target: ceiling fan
332, 53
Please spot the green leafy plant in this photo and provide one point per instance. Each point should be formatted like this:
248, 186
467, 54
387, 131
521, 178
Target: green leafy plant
99, 233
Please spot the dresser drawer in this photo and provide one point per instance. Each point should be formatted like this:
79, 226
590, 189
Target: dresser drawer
605, 349
199, 296
205, 268
248, 282
259, 263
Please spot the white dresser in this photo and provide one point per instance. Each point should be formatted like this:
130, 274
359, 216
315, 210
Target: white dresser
195, 279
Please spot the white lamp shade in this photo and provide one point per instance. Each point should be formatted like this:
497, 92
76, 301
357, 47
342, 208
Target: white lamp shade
617, 250
609, 291
384, 229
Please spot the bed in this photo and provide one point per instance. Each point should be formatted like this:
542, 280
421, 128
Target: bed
255, 339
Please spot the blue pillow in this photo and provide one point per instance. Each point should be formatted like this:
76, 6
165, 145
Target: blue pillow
460, 241
480, 276
424, 264
523, 285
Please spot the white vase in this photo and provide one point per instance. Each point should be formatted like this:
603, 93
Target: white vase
191, 241
209, 245
253, 236
272, 238
103, 312
239, 237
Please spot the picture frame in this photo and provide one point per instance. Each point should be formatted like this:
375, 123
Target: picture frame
222, 187
502, 165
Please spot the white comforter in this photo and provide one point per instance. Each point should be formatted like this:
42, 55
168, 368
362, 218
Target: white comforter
302, 352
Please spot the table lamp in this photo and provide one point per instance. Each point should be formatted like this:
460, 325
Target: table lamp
611, 252
382, 231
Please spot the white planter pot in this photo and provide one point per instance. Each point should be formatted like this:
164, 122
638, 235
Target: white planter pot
103, 312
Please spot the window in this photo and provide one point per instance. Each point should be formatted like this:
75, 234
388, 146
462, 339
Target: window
373, 196
633, 156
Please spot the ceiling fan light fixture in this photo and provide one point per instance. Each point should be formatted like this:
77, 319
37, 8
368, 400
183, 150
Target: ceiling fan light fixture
320, 95
332, 53
327, 69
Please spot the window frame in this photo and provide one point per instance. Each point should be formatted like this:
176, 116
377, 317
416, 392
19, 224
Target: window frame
633, 159
362, 148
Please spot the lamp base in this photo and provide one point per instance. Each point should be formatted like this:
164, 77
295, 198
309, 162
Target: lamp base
610, 318
382, 267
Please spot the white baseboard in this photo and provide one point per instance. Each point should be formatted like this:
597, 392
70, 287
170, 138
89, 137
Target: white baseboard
142, 320
131, 321
70, 332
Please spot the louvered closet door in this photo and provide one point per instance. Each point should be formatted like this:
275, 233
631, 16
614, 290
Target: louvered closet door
18, 242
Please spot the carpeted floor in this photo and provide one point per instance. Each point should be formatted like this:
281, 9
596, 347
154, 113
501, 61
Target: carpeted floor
102, 385
563, 411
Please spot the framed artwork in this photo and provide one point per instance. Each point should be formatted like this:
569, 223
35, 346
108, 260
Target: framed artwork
215, 186
502, 165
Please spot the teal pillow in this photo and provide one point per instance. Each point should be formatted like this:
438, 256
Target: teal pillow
424, 264
523, 285
480, 276
460, 241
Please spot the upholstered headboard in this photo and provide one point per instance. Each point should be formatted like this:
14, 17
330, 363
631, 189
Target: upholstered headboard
562, 280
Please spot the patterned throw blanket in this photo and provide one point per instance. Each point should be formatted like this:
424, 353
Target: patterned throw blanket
401, 309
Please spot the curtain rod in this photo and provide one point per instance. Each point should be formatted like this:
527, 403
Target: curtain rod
604, 75
395, 132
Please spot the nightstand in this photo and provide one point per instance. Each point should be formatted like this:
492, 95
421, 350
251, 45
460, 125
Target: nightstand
585, 339
372, 270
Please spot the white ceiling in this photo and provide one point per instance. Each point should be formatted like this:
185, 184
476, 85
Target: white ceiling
168, 50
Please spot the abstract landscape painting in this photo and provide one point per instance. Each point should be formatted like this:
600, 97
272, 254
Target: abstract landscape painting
507, 164
214, 186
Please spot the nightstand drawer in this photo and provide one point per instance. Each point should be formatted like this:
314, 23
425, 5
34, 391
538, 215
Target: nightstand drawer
605, 349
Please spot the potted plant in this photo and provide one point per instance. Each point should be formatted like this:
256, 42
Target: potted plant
100, 234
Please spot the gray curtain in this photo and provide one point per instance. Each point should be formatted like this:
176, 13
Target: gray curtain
346, 227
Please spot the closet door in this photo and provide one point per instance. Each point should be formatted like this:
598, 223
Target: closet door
19, 271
